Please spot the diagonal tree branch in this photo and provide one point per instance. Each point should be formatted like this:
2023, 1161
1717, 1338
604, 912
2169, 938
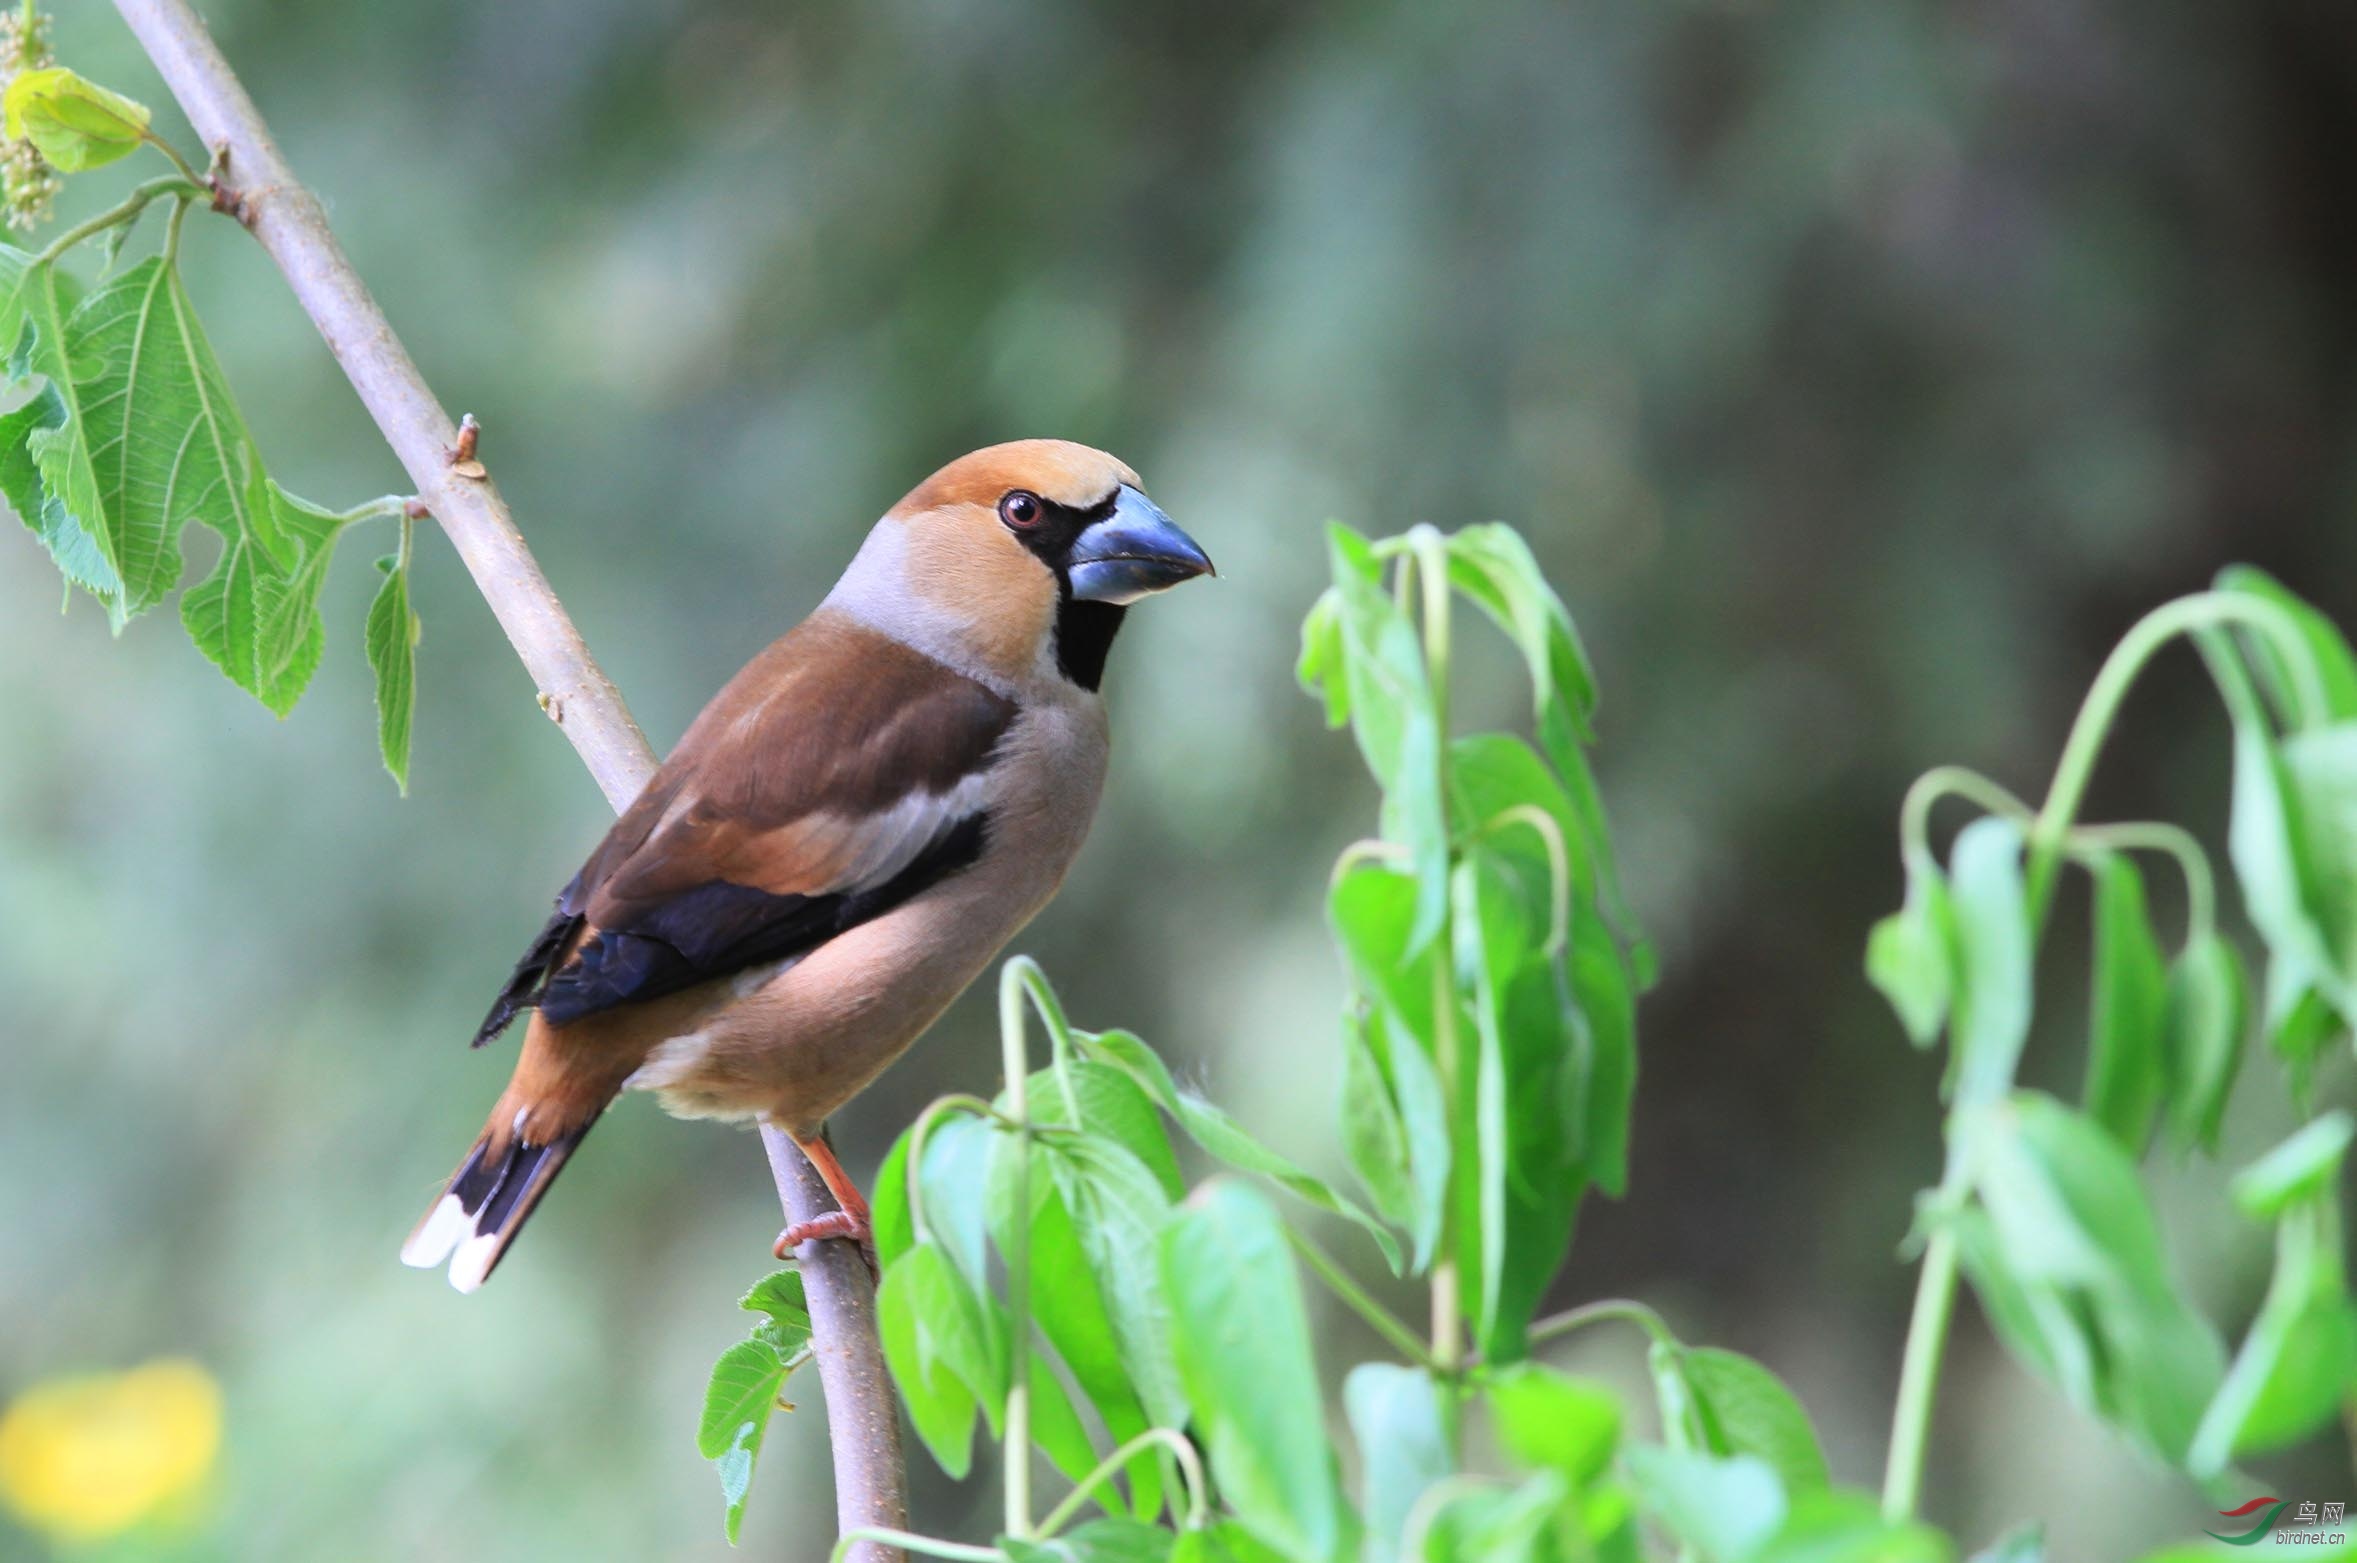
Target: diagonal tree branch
862, 1419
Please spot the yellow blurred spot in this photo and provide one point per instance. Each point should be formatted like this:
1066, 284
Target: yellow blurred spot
89, 1457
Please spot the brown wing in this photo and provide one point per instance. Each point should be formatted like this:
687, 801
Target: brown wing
832, 779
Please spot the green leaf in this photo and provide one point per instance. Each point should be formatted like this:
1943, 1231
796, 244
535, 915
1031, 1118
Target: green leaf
75, 124
1118, 1209
786, 1312
941, 1403
1827, 1526
2300, 1357
1242, 1340
1056, 1427
1482, 1525
2208, 1011
1221, 1137
1993, 952
166, 445
1491, 564
1224, 1541
737, 1404
1099, 1541
1373, 914
1402, 1431
1727, 1508
45, 467
955, 1188
1908, 954
1548, 1420
2301, 1168
1746, 1409
1071, 1313
2328, 652
256, 616
391, 637
2078, 1245
1320, 668
2127, 1058
1397, 726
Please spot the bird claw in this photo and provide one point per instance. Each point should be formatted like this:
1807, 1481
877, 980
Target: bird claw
835, 1224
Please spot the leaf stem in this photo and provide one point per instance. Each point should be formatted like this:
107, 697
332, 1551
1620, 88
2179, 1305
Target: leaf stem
1919, 1375
2201, 889
1051, 1015
910, 1541
1604, 1310
1183, 1451
132, 205
173, 152
1550, 835
1014, 1044
915, 1166
1361, 1302
1951, 781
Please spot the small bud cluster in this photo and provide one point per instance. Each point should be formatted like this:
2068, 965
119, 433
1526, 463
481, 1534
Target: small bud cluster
28, 185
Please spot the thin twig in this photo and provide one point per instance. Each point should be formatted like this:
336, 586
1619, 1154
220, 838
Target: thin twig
863, 1422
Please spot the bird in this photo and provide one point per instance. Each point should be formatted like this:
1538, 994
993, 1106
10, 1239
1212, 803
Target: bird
843, 840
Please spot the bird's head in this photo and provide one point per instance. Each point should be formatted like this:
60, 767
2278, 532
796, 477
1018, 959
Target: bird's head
1023, 555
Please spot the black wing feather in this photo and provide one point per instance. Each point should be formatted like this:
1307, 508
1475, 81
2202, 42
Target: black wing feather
720, 928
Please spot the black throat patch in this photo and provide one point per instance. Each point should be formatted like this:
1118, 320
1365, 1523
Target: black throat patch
1084, 636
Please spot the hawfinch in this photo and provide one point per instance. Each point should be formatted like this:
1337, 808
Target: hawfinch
842, 842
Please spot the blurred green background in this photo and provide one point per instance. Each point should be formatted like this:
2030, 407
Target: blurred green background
1858, 370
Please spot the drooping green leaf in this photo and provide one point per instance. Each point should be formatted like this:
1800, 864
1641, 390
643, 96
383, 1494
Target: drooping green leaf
75, 124
940, 1403
2302, 1167
45, 467
1393, 716
165, 443
737, 1406
1746, 1409
1726, 1507
2328, 654
2078, 1247
1908, 955
256, 616
2208, 1012
1549, 1420
2127, 1060
1993, 948
1491, 564
1401, 1428
2296, 1364
1072, 1314
1118, 1210
1221, 1137
391, 638
1243, 1346
1056, 1427
1373, 915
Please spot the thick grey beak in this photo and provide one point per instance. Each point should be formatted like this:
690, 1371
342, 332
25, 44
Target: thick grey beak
1133, 553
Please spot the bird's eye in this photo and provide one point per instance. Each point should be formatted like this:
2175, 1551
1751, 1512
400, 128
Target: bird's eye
1021, 509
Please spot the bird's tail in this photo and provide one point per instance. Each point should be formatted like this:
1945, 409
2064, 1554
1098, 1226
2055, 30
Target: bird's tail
487, 1202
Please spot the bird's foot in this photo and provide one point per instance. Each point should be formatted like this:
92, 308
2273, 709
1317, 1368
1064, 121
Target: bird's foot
835, 1223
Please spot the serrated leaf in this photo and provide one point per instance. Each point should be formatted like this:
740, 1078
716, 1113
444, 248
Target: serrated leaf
737, 1404
165, 443
45, 467
1118, 1209
391, 638
256, 616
